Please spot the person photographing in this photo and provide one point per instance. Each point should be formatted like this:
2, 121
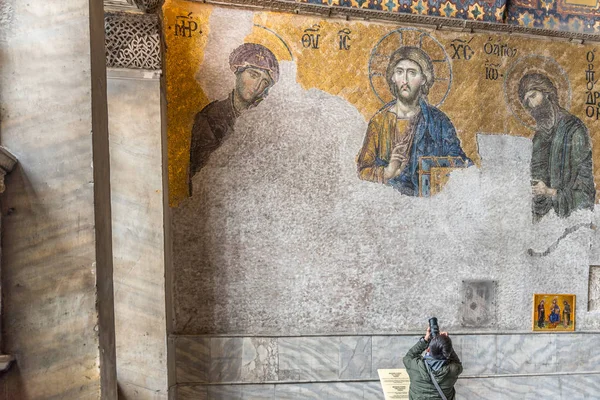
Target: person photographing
432, 375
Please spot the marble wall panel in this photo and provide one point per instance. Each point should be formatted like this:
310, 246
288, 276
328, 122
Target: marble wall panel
579, 386
137, 215
258, 392
347, 358
260, 359
574, 387
577, 353
355, 357
308, 358
49, 290
372, 390
315, 391
225, 392
191, 393
526, 354
527, 388
477, 353
241, 392
192, 359
226, 359
388, 351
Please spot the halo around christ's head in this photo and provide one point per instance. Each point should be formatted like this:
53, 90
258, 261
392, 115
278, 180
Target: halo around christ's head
410, 37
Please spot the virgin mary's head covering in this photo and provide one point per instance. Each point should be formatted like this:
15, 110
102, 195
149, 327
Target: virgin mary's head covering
255, 56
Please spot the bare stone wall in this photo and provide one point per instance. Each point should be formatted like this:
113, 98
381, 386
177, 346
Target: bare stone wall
51, 234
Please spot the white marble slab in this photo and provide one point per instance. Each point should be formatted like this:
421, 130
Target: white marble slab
226, 359
138, 240
388, 351
260, 359
526, 354
477, 353
308, 358
355, 357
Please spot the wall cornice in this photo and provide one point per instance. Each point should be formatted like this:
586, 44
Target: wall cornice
404, 18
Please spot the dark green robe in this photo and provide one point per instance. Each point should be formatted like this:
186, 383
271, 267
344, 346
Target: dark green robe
562, 159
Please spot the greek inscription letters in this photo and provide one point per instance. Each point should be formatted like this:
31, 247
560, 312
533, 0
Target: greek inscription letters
499, 49
310, 39
185, 26
344, 37
592, 102
461, 49
491, 71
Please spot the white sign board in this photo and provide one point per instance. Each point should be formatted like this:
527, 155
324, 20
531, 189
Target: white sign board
395, 383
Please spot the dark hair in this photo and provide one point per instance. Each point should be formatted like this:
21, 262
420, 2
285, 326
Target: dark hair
539, 82
440, 347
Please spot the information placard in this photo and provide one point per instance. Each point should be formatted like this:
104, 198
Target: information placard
395, 383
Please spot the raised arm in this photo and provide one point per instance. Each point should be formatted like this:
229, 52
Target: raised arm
413, 355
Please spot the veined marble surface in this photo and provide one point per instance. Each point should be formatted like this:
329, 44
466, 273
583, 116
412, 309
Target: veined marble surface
578, 387
137, 215
354, 360
49, 292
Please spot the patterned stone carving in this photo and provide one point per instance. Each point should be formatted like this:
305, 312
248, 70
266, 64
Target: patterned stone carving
148, 6
132, 41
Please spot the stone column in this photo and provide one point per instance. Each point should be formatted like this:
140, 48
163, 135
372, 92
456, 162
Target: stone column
7, 163
58, 317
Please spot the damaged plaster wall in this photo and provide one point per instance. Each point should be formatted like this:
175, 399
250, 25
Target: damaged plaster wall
369, 259
280, 198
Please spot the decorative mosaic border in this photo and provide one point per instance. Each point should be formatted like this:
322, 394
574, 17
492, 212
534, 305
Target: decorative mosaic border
492, 11
404, 18
529, 18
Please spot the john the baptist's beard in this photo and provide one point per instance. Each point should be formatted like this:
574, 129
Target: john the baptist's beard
542, 114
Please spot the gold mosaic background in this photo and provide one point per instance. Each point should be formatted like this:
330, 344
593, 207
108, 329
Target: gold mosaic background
475, 102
